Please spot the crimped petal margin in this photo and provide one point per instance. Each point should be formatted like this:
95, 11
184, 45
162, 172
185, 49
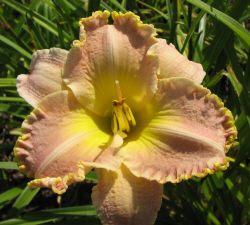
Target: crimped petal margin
124, 199
61, 143
98, 19
106, 53
59, 185
174, 64
184, 132
45, 77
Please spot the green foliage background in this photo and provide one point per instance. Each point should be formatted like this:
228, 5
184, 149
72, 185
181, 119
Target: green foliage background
211, 32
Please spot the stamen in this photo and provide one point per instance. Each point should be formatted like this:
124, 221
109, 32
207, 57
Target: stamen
118, 90
122, 114
127, 128
114, 125
129, 114
119, 117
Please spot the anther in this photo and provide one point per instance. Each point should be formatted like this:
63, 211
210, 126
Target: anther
114, 125
129, 114
122, 114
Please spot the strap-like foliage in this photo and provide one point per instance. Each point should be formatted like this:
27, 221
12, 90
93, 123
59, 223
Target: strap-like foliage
214, 33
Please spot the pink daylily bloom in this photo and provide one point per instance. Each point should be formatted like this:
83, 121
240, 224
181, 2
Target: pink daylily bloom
127, 104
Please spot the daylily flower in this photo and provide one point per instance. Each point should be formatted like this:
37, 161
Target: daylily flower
127, 104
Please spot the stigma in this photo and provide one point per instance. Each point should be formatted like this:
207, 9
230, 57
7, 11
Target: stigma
122, 116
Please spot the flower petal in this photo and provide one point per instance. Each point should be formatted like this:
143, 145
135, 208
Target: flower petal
106, 53
45, 77
62, 141
174, 64
184, 132
124, 199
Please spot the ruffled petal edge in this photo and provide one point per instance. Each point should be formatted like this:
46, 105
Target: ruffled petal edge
225, 117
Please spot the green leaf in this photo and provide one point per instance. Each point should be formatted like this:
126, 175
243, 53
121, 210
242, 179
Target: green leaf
15, 110
86, 210
243, 96
89, 220
66, 6
8, 165
23, 200
38, 18
93, 5
156, 10
6, 147
215, 79
106, 6
131, 4
170, 14
7, 82
43, 216
224, 18
220, 198
11, 99
86, 220
118, 5
221, 34
15, 36
15, 47
36, 34
60, 35
176, 15
8, 196
91, 176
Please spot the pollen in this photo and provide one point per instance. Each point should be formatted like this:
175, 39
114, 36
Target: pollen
122, 116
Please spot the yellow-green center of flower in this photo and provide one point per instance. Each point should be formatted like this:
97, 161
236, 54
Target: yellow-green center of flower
122, 114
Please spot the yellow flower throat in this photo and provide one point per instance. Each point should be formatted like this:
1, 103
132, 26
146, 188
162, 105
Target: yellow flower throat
122, 114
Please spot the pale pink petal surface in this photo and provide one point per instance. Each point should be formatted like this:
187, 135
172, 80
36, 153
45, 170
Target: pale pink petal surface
124, 199
175, 128
45, 76
106, 53
183, 132
174, 64
61, 140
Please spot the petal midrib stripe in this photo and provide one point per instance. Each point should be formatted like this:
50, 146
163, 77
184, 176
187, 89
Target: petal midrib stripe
171, 131
62, 149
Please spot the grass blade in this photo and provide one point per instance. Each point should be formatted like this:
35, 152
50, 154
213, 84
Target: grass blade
118, 5
11, 99
221, 35
91, 176
23, 200
43, 216
8, 165
224, 18
38, 18
193, 26
15, 110
8, 196
15, 47
93, 5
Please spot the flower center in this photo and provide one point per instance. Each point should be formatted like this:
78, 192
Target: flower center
122, 114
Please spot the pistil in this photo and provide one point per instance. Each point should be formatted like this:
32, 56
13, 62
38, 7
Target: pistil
119, 90
122, 114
